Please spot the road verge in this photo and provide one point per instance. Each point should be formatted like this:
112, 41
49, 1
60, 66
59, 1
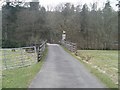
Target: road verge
102, 77
21, 77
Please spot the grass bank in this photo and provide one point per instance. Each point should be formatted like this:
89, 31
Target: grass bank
0, 70
21, 77
103, 64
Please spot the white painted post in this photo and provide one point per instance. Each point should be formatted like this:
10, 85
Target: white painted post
64, 35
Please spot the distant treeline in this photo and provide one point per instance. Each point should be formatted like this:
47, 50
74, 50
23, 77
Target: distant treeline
29, 23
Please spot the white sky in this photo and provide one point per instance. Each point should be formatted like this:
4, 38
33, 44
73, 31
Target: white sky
53, 3
76, 2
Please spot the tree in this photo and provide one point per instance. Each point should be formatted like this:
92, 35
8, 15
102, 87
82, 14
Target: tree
84, 24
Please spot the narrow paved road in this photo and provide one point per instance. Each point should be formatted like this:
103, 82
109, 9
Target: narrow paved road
61, 70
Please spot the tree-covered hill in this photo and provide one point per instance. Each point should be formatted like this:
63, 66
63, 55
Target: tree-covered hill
25, 24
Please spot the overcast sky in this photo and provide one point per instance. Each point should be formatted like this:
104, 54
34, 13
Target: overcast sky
53, 3
76, 2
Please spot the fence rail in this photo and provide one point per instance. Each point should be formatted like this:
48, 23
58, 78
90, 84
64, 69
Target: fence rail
24, 56
40, 49
70, 46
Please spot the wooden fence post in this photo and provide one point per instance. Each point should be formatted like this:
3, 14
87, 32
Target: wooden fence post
41, 49
5, 63
21, 57
38, 53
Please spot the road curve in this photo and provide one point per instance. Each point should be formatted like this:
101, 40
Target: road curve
61, 70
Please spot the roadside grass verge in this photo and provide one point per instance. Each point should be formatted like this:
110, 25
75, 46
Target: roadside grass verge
103, 77
0, 69
21, 77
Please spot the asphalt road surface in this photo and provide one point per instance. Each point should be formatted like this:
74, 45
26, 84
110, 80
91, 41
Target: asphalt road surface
61, 70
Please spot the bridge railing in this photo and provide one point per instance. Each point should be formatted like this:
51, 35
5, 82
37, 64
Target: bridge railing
70, 46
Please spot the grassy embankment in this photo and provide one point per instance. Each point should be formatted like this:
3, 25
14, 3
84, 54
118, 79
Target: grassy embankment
21, 77
102, 63
0, 69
